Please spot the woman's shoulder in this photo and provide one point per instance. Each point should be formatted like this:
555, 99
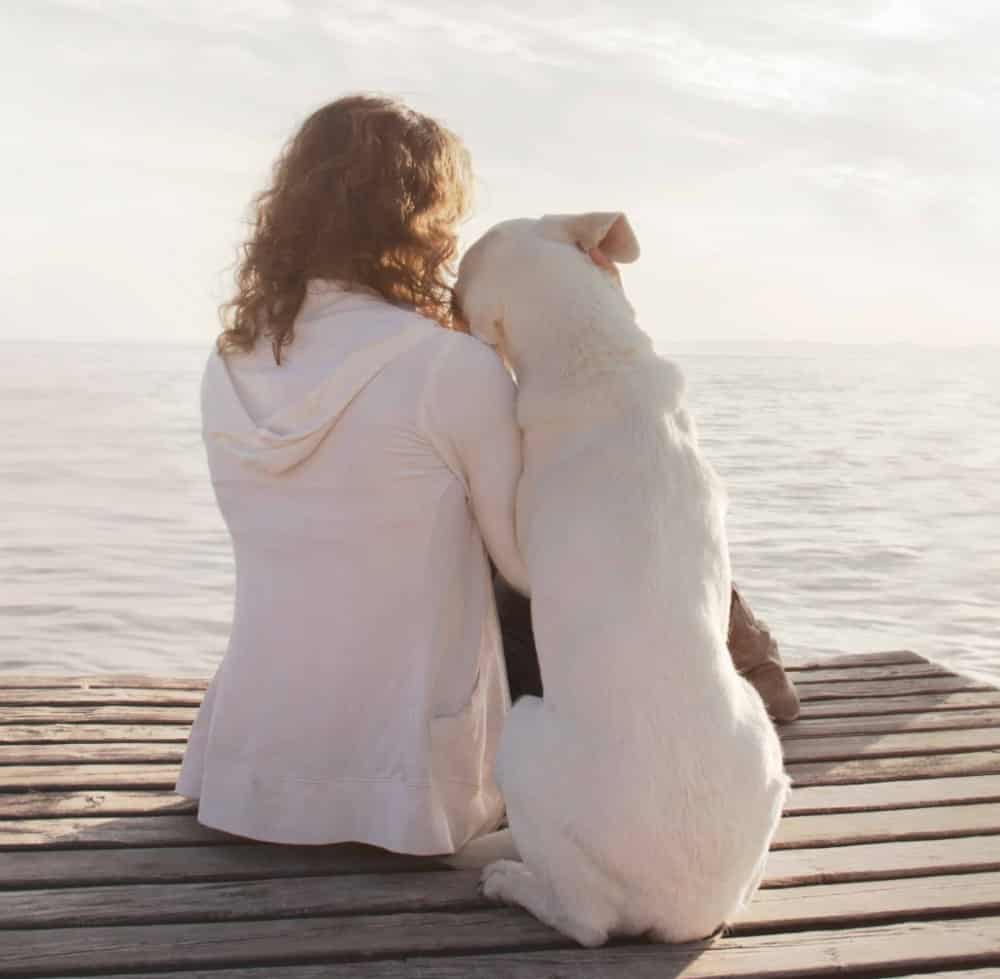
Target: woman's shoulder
463, 352
470, 391
464, 362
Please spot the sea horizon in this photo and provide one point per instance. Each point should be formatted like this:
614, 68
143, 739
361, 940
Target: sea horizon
715, 345
862, 504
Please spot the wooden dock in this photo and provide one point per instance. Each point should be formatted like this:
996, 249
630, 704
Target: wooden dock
887, 862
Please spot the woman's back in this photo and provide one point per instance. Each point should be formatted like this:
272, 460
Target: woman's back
363, 689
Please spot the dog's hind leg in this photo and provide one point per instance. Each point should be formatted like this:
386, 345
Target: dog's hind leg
556, 880
515, 883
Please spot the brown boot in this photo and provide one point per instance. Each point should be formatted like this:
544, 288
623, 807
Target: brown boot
755, 656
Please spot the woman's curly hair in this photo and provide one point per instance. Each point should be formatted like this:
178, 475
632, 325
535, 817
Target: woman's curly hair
369, 193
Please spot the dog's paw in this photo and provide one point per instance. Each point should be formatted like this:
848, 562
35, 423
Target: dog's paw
495, 882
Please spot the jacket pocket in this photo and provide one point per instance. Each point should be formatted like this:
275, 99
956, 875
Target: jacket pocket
458, 741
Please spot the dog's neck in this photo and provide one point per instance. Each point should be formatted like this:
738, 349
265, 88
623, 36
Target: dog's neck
603, 340
611, 368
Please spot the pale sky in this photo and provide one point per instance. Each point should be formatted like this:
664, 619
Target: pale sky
814, 170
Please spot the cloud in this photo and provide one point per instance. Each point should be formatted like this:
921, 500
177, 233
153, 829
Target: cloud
774, 145
226, 15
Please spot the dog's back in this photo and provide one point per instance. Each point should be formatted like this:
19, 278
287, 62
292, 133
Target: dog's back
671, 773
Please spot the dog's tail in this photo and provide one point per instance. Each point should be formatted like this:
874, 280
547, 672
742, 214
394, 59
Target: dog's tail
483, 850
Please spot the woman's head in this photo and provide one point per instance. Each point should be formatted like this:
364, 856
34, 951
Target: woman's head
367, 192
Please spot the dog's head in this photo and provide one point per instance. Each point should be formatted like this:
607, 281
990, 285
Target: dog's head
528, 265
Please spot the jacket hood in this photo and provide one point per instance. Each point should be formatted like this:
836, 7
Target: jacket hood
292, 433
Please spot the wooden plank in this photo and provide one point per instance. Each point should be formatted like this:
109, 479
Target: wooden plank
837, 829
11, 734
192, 698
805, 800
177, 731
902, 794
877, 861
870, 902
183, 829
102, 753
869, 674
108, 695
66, 724
350, 939
704, 965
118, 680
178, 728
239, 900
111, 831
707, 966
146, 681
42, 805
881, 950
97, 715
106, 949
187, 691
138, 865
17, 778
145, 714
84, 867
888, 769
40, 682
821, 727
152, 681
786, 907
844, 747
960, 974
916, 704
890, 688
33, 952
848, 660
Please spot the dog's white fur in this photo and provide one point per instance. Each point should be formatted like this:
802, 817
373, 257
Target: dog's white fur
643, 791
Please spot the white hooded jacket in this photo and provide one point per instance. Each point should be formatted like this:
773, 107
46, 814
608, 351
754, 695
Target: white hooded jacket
363, 690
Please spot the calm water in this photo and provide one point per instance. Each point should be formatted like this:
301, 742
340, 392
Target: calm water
864, 503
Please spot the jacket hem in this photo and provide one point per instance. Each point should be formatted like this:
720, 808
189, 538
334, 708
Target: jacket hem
404, 817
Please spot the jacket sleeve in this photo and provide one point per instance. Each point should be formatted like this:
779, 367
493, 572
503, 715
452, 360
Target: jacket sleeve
471, 408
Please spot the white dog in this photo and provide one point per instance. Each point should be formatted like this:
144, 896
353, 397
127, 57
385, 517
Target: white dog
643, 791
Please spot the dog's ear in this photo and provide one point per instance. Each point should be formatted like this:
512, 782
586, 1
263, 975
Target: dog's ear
607, 230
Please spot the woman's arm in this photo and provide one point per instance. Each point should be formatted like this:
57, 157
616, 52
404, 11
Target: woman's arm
473, 404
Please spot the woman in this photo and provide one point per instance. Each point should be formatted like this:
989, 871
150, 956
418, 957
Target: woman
362, 454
